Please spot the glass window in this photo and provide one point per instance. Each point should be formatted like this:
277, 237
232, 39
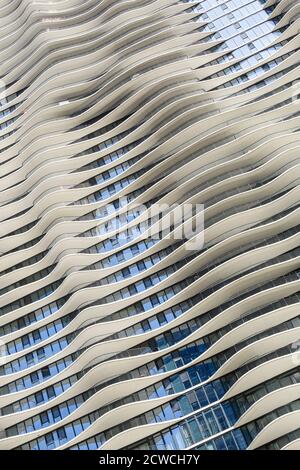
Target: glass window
44, 417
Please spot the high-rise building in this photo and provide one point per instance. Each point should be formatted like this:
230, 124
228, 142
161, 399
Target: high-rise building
127, 126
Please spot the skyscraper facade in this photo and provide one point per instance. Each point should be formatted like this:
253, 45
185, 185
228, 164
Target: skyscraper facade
149, 191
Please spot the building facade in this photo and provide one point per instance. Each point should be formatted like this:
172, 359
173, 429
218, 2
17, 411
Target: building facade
124, 325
